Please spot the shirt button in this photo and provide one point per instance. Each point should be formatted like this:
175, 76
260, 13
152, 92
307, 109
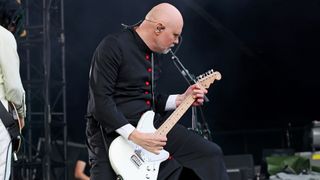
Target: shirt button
146, 92
149, 69
147, 83
148, 102
147, 57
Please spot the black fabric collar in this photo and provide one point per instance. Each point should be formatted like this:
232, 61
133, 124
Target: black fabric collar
141, 44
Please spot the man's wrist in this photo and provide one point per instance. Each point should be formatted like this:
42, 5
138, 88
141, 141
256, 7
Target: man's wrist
179, 99
171, 102
125, 130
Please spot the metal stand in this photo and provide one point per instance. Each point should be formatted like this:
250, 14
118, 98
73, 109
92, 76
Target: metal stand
200, 128
45, 85
288, 136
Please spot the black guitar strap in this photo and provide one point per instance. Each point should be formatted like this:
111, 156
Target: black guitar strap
9, 122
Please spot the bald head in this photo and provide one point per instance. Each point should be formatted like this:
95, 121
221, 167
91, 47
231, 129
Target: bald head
165, 13
161, 28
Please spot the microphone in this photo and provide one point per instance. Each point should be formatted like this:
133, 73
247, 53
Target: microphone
182, 70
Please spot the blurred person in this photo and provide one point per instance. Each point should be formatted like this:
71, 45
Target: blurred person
82, 167
11, 89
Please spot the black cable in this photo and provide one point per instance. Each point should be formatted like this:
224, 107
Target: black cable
104, 140
178, 46
206, 130
125, 26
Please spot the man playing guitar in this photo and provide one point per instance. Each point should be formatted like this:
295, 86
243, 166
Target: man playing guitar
11, 89
122, 87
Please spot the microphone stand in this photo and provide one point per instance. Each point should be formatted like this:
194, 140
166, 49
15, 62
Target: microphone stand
190, 78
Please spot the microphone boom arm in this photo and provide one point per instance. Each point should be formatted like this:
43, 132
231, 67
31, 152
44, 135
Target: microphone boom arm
185, 73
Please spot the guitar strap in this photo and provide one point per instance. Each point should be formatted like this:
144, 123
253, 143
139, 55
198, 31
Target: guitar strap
9, 122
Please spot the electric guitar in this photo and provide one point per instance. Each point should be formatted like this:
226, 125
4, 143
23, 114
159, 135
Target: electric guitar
132, 162
10, 120
16, 133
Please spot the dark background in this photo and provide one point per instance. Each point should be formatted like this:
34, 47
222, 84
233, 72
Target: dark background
266, 50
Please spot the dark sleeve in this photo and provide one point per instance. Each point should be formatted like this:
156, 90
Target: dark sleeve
103, 76
83, 155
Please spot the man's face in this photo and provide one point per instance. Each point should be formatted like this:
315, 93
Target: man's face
168, 37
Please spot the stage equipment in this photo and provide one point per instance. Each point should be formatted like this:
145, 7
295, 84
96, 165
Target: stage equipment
240, 167
202, 128
315, 135
42, 69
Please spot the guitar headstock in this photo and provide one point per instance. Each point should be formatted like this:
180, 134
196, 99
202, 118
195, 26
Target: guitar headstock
206, 79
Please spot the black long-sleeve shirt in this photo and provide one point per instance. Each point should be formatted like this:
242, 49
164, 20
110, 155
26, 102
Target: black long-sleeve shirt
120, 82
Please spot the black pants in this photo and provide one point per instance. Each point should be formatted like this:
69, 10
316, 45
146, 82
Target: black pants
187, 149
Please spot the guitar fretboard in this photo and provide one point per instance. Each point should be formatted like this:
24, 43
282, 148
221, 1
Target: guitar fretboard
175, 116
204, 80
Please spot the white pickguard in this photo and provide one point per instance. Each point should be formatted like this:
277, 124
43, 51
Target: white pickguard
131, 161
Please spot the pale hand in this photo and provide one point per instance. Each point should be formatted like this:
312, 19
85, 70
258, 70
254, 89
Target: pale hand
21, 122
149, 141
196, 91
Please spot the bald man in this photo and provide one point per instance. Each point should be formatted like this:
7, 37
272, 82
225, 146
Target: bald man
123, 75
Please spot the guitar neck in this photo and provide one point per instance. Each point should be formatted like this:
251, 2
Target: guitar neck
175, 116
204, 80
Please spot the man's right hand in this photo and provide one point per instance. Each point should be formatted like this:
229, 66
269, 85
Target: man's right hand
149, 141
21, 122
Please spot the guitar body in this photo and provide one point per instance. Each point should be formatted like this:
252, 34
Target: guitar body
131, 161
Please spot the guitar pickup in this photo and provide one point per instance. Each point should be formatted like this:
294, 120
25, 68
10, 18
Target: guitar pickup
136, 161
139, 153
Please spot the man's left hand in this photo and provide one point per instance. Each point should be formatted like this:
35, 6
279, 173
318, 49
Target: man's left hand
197, 93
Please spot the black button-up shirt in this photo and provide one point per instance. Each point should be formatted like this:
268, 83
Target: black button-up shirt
120, 81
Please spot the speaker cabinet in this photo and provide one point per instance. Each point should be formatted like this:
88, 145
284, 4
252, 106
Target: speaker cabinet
240, 167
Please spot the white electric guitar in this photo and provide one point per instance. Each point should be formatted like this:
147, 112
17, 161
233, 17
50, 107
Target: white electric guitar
132, 162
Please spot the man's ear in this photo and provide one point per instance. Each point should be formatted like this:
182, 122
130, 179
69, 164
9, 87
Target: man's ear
159, 28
